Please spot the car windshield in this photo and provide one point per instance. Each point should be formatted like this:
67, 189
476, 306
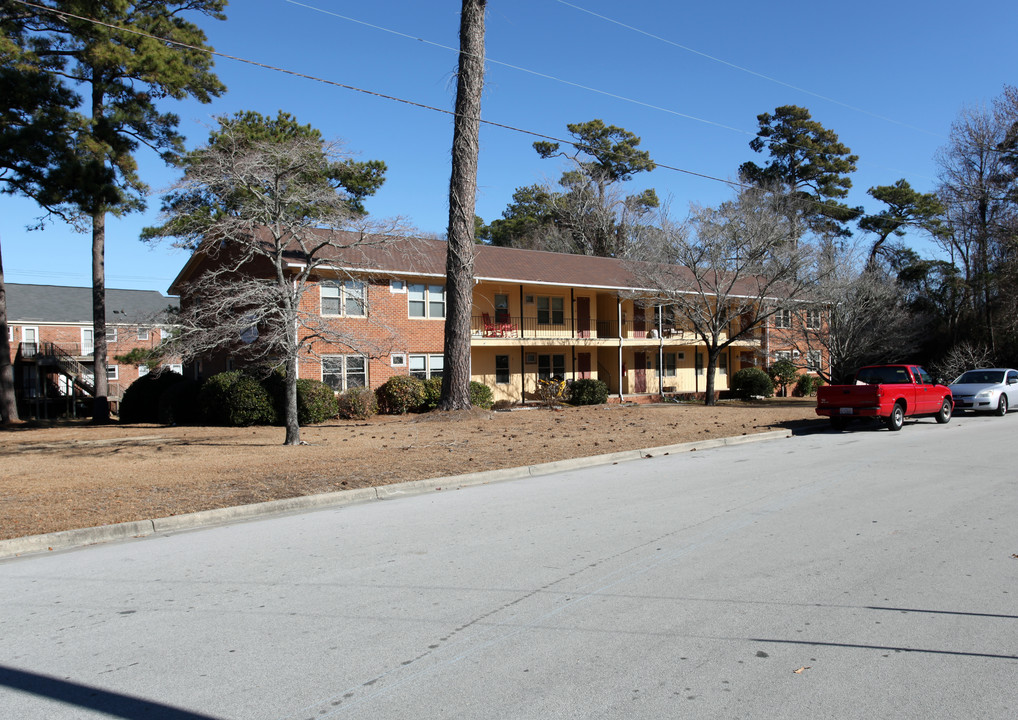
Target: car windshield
980, 377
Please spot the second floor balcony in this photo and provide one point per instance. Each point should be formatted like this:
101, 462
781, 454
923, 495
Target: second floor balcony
519, 328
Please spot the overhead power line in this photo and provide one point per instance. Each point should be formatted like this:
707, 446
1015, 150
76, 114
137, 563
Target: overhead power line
747, 70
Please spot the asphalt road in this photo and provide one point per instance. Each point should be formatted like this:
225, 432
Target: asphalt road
864, 574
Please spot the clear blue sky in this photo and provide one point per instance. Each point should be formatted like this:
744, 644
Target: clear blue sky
688, 77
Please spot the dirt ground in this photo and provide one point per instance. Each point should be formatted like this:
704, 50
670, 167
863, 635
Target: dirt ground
74, 475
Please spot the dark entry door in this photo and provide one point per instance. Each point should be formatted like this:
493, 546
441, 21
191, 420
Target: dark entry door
583, 317
640, 372
583, 366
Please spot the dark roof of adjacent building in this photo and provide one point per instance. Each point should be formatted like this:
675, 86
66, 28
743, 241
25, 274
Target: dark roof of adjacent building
28, 304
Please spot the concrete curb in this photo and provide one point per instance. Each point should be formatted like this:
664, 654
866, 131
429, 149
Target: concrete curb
68, 539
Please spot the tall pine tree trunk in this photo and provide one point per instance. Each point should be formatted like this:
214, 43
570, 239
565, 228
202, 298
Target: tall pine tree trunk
100, 384
462, 196
8, 401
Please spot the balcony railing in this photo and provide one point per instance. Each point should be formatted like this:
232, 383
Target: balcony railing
486, 326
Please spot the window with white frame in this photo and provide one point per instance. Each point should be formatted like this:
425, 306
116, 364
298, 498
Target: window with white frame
783, 319
427, 366
551, 311
112, 372
813, 359
347, 298
342, 372
699, 364
813, 319
143, 333
111, 334
790, 355
174, 367
671, 362
398, 360
10, 333
426, 301
397, 286
143, 370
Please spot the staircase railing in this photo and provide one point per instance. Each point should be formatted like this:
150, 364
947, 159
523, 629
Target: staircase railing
79, 374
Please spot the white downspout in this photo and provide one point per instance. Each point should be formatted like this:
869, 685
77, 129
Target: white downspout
618, 308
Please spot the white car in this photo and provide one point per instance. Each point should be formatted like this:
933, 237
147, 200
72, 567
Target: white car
986, 390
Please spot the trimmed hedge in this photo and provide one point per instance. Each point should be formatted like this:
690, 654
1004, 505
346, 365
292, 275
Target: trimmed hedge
178, 405
316, 402
357, 403
236, 399
400, 394
481, 395
432, 394
588, 391
140, 403
750, 382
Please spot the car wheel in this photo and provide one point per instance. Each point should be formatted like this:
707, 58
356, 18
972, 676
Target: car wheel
945, 411
1002, 405
897, 418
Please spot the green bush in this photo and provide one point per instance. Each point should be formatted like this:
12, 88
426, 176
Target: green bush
807, 385
750, 382
357, 403
316, 402
140, 403
481, 395
236, 399
178, 404
400, 394
432, 394
587, 391
783, 373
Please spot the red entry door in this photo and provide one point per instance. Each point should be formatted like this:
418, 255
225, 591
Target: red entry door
583, 366
640, 372
583, 317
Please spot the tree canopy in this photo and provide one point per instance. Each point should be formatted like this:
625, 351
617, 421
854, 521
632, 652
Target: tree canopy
123, 57
270, 193
587, 213
807, 161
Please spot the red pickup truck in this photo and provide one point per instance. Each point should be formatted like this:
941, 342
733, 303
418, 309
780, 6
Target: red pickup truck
891, 392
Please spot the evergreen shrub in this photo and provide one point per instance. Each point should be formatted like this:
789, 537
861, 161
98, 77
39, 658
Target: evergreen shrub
316, 402
236, 399
357, 403
481, 395
400, 394
588, 391
140, 403
750, 382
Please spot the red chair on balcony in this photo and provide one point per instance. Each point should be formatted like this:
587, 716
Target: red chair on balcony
492, 329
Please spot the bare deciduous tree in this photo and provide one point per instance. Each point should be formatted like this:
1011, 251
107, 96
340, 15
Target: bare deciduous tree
263, 205
862, 312
728, 269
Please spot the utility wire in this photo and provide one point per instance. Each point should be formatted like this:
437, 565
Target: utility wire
747, 70
345, 86
215, 53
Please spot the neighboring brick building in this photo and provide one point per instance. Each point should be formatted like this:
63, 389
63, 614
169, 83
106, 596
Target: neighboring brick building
536, 315
51, 336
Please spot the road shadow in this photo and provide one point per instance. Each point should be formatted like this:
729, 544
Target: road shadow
88, 697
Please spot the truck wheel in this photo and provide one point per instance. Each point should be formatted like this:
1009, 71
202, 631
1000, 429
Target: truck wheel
897, 418
1002, 405
945, 411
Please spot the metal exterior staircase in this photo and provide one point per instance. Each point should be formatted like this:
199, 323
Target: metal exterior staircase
53, 355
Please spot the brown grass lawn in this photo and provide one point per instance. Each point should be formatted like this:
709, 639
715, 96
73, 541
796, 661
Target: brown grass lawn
75, 475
